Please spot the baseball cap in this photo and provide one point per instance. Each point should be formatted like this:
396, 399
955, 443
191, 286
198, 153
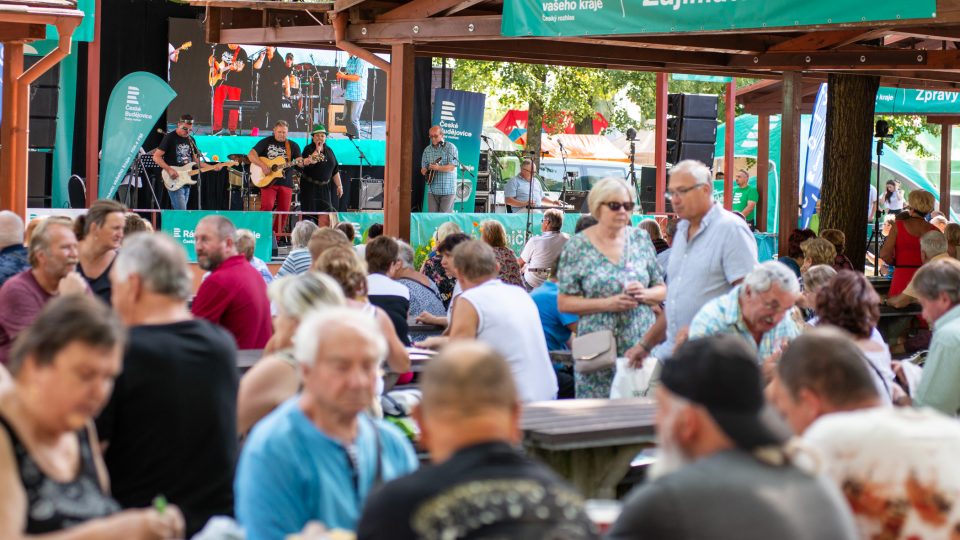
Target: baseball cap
320, 128
720, 373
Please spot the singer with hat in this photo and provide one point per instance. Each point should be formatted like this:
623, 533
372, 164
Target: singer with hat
321, 184
439, 169
524, 192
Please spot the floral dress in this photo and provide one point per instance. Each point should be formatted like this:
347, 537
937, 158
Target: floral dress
586, 272
445, 282
509, 267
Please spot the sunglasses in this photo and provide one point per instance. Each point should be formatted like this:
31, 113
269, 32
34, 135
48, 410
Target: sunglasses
616, 206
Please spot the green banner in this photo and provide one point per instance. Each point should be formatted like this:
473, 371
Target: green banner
181, 224
552, 18
135, 104
218, 148
460, 114
916, 101
700, 78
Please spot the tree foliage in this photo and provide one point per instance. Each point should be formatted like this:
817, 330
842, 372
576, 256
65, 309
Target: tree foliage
907, 129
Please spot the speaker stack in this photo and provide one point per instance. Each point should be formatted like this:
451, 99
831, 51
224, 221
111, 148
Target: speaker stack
482, 197
692, 128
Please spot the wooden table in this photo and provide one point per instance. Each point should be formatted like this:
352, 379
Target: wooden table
590, 442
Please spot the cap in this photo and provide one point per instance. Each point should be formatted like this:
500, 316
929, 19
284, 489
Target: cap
319, 128
720, 373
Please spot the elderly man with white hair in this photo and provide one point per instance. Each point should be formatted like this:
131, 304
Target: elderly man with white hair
317, 456
755, 310
13, 254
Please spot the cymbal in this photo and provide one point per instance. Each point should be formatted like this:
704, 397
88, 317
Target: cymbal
241, 159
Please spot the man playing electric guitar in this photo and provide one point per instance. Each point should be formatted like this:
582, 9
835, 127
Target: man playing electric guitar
228, 74
280, 190
178, 148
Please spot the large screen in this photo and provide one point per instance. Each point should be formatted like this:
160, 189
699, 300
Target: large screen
244, 89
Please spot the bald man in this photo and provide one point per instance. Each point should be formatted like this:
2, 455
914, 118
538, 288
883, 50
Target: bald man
470, 423
438, 165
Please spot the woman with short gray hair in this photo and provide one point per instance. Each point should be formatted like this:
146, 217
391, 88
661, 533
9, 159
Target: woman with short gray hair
298, 260
424, 294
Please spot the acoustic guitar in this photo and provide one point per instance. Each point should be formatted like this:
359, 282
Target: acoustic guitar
432, 172
278, 166
185, 174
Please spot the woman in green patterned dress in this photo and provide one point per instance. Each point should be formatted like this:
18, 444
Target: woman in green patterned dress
609, 276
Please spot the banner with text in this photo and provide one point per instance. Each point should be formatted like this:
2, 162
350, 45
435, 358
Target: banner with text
135, 104
551, 18
460, 114
181, 224
916, 101
813, 177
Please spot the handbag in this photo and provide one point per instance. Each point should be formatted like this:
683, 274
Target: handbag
594, 351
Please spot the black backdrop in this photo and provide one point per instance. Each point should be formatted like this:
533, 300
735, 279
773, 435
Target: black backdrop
134, 37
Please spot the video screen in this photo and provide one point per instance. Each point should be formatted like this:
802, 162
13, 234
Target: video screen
246, 88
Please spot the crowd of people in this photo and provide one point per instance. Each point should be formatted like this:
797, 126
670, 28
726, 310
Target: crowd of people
780, 410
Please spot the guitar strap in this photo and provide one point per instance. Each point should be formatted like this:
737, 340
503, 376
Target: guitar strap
288, 155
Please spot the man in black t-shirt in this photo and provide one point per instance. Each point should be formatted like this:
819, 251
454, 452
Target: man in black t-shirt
177, 149
228, 64
170, 425
480, 485
281, 190
320, 185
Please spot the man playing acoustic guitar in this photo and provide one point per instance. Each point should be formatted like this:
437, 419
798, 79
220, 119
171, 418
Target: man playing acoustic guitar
274, 155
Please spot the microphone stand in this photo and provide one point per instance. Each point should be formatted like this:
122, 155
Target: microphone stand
463, 169
196, 152
499, 167
563, 159
363, 157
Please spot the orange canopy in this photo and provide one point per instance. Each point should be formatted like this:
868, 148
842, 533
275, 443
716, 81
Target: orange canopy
582, 147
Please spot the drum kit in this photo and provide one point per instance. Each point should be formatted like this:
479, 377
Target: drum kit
247, 194
303, 103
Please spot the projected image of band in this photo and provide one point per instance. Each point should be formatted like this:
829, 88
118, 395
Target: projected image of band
235, 89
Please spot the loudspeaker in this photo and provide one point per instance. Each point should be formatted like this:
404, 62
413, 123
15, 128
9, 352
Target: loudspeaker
43, 132
371, 193
483, 165
692, 105
648, 190
483, 182
697, 130
702, 152
39, 169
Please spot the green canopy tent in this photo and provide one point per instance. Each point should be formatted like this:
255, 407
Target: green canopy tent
746, 142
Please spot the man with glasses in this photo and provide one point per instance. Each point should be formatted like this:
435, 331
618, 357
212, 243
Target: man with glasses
524, 191
756, 311
540, 254
712, 251
438, 165
178, 144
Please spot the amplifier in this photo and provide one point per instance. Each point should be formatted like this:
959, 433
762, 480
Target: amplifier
483, 181
578, 200
483, 166
371, 193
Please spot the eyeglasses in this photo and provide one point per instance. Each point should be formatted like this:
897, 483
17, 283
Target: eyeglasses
616, 206
679, 192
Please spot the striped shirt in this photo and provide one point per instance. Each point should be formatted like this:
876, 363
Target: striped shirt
443, 183
296, 263
357, 90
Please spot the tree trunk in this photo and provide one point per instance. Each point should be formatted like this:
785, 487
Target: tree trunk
534, 130
846, 161
584, 126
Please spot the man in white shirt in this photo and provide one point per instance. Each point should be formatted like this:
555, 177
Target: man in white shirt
897, 467
543, 250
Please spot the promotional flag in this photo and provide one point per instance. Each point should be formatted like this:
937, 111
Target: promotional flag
813, 177
460, 114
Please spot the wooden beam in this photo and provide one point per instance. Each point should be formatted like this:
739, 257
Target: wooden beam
92, 157
763, 170
417, 9
21, 32
486, 28
946, 147
398, 180
276, 36
789, 159
10, 129
730, 134
849, 60
660, 148
466, 4
814, 41
343, 5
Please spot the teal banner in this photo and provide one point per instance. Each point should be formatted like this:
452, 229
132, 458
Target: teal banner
552, 18
700, 78
218, 148
460, 114
135, 104
916, 101
181, 224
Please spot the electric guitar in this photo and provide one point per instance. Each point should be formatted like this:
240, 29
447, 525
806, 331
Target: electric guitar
185, 174
432, 172
278, 166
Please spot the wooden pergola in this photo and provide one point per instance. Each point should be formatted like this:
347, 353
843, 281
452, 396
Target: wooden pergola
903, 53
22, 22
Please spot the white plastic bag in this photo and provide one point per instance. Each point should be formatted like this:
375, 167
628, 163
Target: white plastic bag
634, 383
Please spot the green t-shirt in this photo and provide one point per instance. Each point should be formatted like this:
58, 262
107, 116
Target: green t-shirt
741, 196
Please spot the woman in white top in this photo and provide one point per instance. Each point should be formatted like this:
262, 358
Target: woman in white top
893, 198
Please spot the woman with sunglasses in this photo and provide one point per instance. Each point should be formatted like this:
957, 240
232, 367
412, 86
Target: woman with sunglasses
609, 276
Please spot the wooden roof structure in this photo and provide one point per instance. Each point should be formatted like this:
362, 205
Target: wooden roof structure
914, 53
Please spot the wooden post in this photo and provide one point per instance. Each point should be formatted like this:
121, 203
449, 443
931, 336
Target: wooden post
763, 170
789, 158
660, 150
946, 146
92, 158
728, 151
398, 180
11, 129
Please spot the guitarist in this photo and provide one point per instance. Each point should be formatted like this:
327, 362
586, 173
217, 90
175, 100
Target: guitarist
280, 192
438, 166
179, 149
321, 184
230, 63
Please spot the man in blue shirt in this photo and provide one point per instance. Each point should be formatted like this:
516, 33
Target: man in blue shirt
355, 73
557, 326
13, 254
438, 165
318, 456
524, 190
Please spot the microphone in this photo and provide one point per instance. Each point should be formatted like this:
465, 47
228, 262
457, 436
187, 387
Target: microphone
351, 136
561, 144
160, 131
484, 137
443, 143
